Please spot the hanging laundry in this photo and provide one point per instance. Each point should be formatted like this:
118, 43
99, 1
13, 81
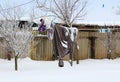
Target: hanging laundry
42, 26
102, 30
51, 31
108, 30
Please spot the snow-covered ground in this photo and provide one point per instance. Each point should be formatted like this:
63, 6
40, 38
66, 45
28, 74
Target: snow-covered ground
88, 70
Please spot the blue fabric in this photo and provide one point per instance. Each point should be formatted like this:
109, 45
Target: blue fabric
102, 30
108, 30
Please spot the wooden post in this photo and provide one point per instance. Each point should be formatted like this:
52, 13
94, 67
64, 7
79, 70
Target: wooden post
77, 59
92, 44
9, 53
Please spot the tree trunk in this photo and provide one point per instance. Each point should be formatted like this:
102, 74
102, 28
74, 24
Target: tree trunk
77, 56
16, 63
109, 45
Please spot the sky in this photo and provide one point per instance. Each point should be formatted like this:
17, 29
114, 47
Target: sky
102, 10
97, 10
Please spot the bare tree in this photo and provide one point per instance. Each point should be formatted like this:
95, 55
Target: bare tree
68, 11
18, 39
110, 40
110, 44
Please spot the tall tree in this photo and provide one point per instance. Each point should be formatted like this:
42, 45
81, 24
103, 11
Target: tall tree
68, 11
18, 39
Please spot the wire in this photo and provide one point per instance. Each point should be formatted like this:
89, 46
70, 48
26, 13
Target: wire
17, 5
44, 16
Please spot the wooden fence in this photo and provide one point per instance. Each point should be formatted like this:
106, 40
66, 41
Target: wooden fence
4, 53
41, 49
91, 45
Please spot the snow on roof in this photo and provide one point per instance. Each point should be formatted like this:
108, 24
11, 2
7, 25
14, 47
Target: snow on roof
37, 21
28, 19
102, 23
41, 35
25, 18
35, 28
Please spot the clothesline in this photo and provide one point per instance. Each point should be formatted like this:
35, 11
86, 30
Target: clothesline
17, 6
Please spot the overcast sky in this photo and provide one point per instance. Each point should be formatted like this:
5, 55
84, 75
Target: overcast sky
97, 10
103, 10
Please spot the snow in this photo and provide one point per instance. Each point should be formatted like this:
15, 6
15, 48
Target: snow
41, 35
89, 70
35, 28
74, 31
101, 23
64, 44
